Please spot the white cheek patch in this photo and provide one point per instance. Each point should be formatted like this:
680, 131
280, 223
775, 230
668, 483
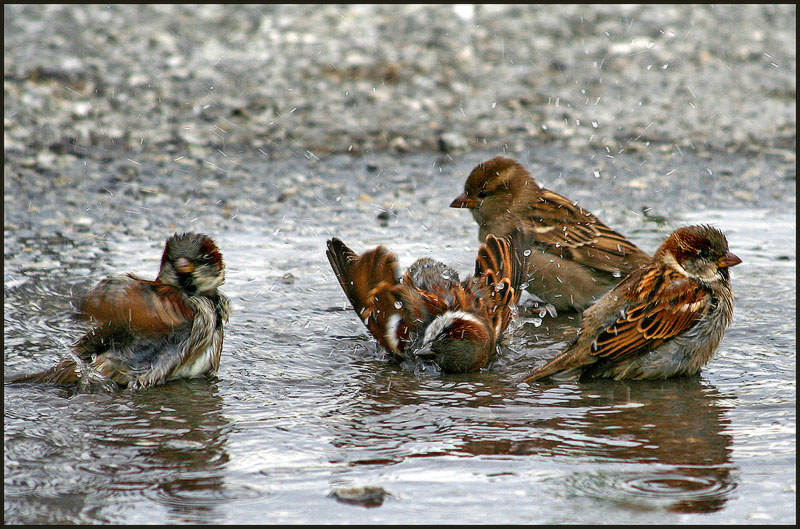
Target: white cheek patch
391, 331
446, 319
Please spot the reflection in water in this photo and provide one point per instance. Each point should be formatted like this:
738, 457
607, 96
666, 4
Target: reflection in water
184, 433
319, 408
669, 434
169, 441
678, 424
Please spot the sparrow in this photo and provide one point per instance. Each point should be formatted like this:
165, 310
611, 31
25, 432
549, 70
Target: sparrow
665, 319
575, 258
428, 314
147, 332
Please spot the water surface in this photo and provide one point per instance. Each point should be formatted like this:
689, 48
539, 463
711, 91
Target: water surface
306, 404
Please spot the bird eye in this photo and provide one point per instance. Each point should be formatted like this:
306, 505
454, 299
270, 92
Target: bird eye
483, 193
208, 258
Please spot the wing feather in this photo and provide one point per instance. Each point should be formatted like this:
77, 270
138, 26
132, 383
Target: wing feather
146, 307
587, 239
370, 282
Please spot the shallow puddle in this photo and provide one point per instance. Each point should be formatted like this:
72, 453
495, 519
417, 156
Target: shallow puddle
306, 404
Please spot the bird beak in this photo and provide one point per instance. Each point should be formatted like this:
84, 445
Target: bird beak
184, 266
426, 351
462, 201
727, 260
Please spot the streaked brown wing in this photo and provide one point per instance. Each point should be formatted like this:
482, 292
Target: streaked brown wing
146, 307
370, 283
663, 309
499, 271
585, 239
647, 325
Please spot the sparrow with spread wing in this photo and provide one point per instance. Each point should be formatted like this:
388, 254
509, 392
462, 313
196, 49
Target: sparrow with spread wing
427, 313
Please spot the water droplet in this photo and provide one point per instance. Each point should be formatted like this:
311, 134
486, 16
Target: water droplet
596, 173
526, 253
542, 313
616, 273
595, 124
650, 44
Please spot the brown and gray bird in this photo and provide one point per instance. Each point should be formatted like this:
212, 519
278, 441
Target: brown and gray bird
427, 313
148, 332
665, 319
575, 258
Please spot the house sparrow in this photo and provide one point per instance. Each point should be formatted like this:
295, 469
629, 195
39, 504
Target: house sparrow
427, 313
575, 258
149, 332
665, 319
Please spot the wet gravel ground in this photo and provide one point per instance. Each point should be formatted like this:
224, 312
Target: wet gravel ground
274, 127
96, 80
114, 112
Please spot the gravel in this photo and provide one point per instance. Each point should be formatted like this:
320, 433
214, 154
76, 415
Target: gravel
289, 80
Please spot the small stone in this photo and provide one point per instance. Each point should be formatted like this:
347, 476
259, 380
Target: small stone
366, 496
399, 144
452, 141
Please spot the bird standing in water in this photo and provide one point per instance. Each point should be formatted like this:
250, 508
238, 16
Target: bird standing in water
148, 332
665, 319
575, 258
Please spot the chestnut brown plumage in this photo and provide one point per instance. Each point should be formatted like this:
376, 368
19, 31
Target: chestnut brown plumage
148, 332
427, 313
665, 319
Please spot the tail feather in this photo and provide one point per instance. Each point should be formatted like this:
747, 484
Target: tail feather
566, 365
63, 373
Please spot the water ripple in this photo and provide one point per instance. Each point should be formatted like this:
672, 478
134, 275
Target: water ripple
685, 490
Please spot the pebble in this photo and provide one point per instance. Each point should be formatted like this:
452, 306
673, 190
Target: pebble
452, 142
366, 496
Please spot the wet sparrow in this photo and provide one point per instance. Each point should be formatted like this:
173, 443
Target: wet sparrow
575, 258
148, 332
427, 313
664, 319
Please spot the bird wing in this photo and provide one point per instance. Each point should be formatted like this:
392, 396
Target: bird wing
141, 306
499, 272
370, 282
567, 230
670, 308
664, 306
